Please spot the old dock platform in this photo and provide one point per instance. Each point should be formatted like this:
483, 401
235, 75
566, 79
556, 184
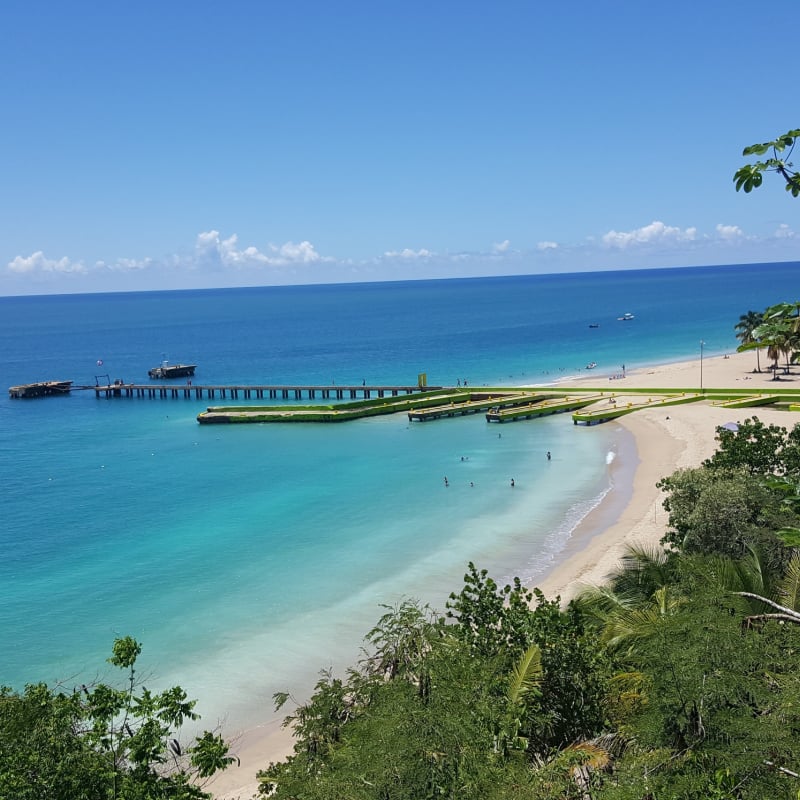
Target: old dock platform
41, 389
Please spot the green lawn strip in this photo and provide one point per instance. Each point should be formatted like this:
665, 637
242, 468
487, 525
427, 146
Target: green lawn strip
457, 400
327, 412
478, 402
612, 412
551, 405
751, 402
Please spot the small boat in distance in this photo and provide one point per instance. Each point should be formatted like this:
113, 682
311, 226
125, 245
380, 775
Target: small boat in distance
594, 325
625, 317
591, 365
167, 370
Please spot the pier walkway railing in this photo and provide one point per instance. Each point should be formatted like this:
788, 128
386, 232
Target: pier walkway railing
190, 390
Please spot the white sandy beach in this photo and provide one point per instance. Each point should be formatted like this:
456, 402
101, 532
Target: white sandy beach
666, 439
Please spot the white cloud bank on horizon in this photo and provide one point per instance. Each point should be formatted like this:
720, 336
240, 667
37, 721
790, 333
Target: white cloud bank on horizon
656, 231
729, 232
38, 262
409, 254
226, 251
213, 256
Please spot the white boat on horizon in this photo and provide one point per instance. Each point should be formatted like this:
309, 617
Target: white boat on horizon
626, 316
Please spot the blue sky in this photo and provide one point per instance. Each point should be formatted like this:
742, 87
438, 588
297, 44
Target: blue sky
155, 145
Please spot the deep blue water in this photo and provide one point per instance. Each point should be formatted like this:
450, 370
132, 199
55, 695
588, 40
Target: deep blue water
245, 558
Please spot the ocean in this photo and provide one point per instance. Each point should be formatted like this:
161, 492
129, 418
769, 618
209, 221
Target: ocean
247, 558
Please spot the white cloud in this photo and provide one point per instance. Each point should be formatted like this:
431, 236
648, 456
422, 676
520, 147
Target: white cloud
408, 253
38, 262
501, 247
547, 246
784, 232
126, 264
303, 252
226, 252
654, 232
729, 232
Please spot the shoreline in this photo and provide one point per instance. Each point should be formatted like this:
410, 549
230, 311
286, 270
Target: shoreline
664, 439
600, 539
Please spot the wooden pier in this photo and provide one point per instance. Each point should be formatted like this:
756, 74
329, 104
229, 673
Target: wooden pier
237, 391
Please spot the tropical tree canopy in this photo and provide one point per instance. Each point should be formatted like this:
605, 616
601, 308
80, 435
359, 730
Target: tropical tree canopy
777, 329
745, 332
103, 742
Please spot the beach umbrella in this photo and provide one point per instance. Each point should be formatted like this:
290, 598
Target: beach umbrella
731, 426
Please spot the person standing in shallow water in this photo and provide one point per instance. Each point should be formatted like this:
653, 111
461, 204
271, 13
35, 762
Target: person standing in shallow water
548, 455
512, 483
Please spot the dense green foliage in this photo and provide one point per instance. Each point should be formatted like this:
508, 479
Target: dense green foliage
100, 742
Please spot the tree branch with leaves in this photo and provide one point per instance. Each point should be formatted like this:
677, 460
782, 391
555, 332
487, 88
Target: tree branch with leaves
751, 176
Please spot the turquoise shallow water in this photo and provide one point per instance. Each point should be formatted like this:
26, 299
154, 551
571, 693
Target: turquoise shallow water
246, 558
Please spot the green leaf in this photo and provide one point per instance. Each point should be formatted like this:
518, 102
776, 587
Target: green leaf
789, 587
125, 652
210, 754
526, 674
789, 536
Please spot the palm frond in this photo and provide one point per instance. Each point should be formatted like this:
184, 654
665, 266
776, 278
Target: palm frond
789, 586
600, 601
591, 754
526, 674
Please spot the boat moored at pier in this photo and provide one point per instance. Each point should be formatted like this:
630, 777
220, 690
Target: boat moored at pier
166, 370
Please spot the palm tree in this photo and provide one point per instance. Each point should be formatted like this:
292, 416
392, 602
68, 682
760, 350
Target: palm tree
780, 331
637, 597
777, 334
745, 328
787, 592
